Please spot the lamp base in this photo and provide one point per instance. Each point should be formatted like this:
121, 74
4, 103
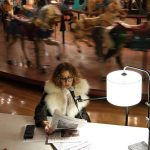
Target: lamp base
138, 146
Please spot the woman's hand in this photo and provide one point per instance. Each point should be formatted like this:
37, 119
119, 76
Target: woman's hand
48, 129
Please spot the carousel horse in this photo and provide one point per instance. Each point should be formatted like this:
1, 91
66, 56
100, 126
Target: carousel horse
135, 37
120, 35
84, 28
37, 29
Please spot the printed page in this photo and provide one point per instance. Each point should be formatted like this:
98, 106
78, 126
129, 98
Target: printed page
65, 129
62, 136
60, 121
82, 145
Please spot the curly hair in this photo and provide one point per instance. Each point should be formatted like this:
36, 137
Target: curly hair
65, 66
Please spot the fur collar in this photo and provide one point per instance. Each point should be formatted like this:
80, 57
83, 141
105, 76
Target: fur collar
61, 100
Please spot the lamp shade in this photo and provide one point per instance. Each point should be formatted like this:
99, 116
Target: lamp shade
124, 88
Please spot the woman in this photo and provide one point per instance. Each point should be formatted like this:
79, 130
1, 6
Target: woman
58, 97
28, 9
7, 10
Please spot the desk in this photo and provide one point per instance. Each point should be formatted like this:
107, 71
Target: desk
11, 133
101, 136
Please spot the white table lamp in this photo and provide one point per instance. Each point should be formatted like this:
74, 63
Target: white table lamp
124, 88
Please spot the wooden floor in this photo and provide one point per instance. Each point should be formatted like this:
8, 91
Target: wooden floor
21, 87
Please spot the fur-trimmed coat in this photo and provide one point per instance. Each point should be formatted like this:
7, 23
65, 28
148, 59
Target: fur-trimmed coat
55, 98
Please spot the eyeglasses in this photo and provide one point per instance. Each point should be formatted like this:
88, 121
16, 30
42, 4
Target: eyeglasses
67, 79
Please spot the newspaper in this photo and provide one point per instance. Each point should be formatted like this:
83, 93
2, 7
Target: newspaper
65, 129
60, 121
82, 145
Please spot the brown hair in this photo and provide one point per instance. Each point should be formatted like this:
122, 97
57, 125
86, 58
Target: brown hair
65, 66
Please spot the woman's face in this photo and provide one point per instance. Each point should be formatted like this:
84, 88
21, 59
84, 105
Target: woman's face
66, 79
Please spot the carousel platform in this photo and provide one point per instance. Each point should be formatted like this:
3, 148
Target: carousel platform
87, 62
